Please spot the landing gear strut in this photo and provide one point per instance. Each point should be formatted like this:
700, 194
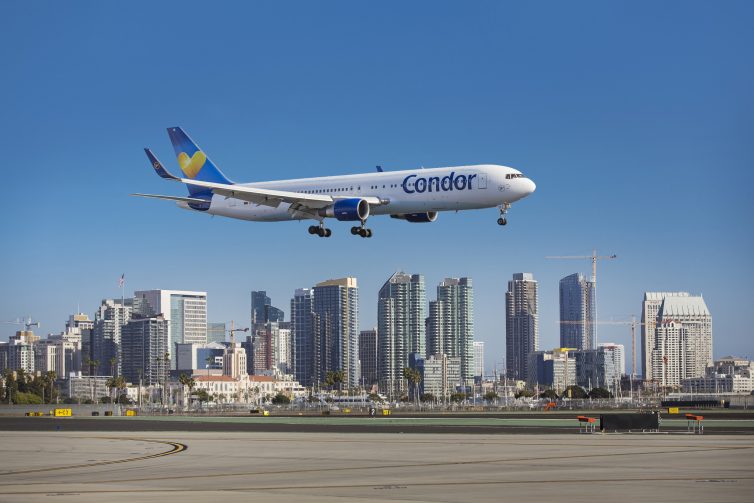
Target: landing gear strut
503, 210
320, 230
362, 231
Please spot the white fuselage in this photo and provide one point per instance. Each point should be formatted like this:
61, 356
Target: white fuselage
402, 192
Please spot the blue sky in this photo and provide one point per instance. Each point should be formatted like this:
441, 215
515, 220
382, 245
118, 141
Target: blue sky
635, 120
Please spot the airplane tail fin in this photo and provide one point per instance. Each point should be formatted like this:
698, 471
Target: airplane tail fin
194, 163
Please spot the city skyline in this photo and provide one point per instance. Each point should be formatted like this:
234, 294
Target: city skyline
631, 155
493, 362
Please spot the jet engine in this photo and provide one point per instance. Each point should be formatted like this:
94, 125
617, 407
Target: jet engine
353, 209
429, 216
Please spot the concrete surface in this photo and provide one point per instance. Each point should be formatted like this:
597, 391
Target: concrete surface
318, 467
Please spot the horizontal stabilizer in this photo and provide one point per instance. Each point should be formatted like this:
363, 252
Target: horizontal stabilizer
194, 200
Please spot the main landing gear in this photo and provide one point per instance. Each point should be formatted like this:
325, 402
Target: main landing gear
320, 231
503, 210
361, 231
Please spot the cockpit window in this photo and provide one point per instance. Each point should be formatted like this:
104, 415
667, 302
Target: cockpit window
509, 176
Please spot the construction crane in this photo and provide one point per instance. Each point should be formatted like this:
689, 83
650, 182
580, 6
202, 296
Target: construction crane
25, 322
632, 323
594, 258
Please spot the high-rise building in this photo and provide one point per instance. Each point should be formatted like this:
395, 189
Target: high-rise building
336, 324
234, 360
261, 345
554, 369
58, 354
144, 344
79, 329
215, 332
302, 333
18, 353
441, 376
596, 368
479, 359
577, 312
283, 348
270, 348
368, 356
401, 319
521, 325
185, 312
451, 324
650, 310
617, 353
262, 310
676, 337
104, 351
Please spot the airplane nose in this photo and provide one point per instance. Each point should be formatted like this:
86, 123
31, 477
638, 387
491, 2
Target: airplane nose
532, 186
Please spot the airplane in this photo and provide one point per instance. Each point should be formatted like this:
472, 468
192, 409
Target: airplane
416, 196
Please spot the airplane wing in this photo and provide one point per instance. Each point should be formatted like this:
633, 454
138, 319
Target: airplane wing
266, 197
299, 201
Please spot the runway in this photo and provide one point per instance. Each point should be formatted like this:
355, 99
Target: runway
319, 467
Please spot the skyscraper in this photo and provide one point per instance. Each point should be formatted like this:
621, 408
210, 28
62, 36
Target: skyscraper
105, 340
262, 310
577, 311
451, 324
650, 308
401, 327
215, 332
185, 312
336, 325
144, 343
368, 356
302, 333
478, 359
521, 325
618, 355
680, 346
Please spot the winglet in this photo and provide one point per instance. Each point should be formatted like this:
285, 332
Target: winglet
157, 165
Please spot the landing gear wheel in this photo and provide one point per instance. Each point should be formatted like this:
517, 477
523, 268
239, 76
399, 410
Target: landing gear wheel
354, 230
369, 233
328, 233
503, 210
313, 229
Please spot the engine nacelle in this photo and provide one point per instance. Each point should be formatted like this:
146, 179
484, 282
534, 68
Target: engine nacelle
353, 209
418, 218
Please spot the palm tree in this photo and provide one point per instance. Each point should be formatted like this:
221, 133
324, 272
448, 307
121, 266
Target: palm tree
209, 361
414, 377
188, 382
49, 380
113, 362
335, 377
116, 384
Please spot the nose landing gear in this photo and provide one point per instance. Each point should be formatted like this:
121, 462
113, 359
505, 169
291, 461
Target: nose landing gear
320, 230
503, 210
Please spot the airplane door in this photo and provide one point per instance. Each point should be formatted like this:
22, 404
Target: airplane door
482, 177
